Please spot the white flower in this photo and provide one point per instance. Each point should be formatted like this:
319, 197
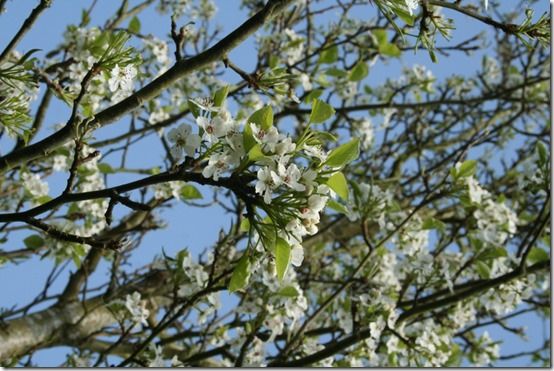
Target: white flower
412, 5
295, 49
214, 128
305, 80
137, 308
183, 140
122, 79
34, 185
268, 138
205, 104
297, 255
268, 180
476, 193
290, 176
284, 146
365, 130
217, 164
236, 148
315, 151
158, 116
316, 202
158, 358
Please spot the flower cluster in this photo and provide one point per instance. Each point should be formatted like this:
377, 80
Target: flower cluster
495, 221
137, 308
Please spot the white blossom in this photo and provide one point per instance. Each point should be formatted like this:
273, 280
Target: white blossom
183, 141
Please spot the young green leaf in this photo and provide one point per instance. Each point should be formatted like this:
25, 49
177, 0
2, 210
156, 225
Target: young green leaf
321, 111
255, 153
288, 291
432, 223
467, 169
337, 207
344, 154
244, 225
359, 72
105, 168
537, 255
190, 192
282, 257
220, 96
337, 182
329, 55
34, 241
248, 138
134, 25
241, 274
262, 117
543, 153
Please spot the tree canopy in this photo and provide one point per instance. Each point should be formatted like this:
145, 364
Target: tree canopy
378, 211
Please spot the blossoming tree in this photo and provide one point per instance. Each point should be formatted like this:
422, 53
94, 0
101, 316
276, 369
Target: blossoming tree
392, 223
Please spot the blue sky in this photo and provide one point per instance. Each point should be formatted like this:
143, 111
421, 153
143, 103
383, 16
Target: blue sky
195, 228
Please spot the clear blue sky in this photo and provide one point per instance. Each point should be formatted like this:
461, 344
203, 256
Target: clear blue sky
195, 228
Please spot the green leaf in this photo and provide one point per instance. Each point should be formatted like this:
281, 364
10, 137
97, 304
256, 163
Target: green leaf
314, 94
466, 169
325, 135
220, 96
248, 138
288, 291
134, 25
190, 192
255, 153
34, 241
390, 50
380, 36
432, 223
241, 274
335, 72
359, 72
105, 168
537, 255
383, 45
543, 153
85, 18
344, 154
262, 117
329, 55
194, 109
76, 259
321, 111
405, 16
282, 257
337, 207
338, 183
79, 249
43, 199
245, 225
492, 253
483, 269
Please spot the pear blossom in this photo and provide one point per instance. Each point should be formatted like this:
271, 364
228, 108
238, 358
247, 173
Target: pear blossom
122, 78
183, 141
297, 255
290, 176
217, 164
34, 185
137, 308
268, 180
